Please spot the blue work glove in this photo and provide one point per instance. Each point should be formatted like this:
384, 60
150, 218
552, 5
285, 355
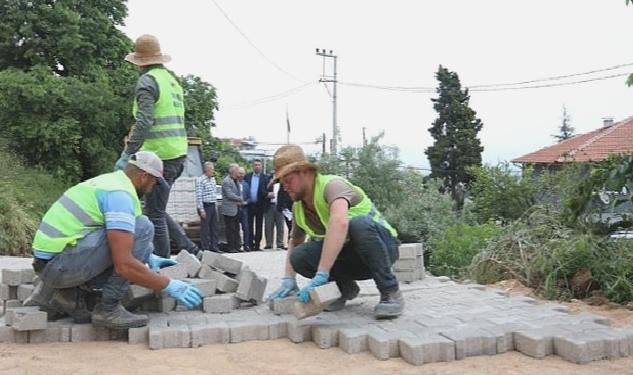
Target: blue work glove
155, 262
122, 162
321, 278
288, 287
184, 293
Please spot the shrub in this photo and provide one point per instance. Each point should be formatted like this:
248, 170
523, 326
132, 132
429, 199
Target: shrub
454, 251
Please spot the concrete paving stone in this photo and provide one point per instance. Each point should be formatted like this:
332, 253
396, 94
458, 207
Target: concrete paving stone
384, 344
28, 320
470, 342
325, 336
8, 292
165, 303
25, 291
10, 336
210, 258
582, 347
537, 342
224, 283
220, 304
137, 292
443, 279
474, 286
588, 317
10, 304
251, 287
210, 333
524, 299
206, 287
299, 331
439, 322
169, 337
426, 349
150, 305
226, 264
282, 306
55, 332
177, 271
409, 264
138, 335
304, 310
82, 333
505, 334
325, 294
353, 340
277, 327
15, 277
408, 276
118, 334
12, 310
241, 331
191, 263
410, 250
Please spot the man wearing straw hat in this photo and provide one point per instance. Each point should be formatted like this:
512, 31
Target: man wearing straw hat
350, 240
160, 127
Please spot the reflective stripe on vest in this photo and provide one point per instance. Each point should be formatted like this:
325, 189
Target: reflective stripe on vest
167, 136
364, 207
76, 213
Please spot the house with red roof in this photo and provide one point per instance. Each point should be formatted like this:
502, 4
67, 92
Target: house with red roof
611, 139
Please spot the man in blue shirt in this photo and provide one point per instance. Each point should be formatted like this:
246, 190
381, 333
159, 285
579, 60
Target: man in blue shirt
257, 182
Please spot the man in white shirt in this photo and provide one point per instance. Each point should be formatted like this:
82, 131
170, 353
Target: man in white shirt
205, 202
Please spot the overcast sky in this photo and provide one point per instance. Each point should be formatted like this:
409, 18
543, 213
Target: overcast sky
398, 43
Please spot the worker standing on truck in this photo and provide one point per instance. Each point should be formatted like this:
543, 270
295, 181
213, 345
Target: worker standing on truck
159, 111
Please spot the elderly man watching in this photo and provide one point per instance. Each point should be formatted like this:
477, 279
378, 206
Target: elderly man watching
205, 203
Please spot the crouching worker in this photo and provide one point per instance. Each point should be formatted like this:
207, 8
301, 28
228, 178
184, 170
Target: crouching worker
350, 240
95, 236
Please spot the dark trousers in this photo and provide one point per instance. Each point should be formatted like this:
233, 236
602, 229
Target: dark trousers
369, 253
232, 227
209, 228
155, 209
255, 223
90, 262
246, 234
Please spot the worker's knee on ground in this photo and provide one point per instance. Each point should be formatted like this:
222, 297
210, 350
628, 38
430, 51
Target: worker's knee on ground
358, 226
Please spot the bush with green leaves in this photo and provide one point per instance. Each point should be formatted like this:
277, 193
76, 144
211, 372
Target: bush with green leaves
453, 252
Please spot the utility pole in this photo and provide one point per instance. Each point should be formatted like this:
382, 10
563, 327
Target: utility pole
326, 79
364, 137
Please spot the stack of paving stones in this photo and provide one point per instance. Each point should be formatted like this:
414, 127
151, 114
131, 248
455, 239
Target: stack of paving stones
443, 320
410, 265
16, 285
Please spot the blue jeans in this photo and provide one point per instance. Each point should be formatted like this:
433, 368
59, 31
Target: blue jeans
155, 209
90, 262
368, 253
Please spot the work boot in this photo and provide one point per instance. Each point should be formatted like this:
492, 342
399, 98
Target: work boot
390, 306
40, 297
116, 317
349, 290
71, 301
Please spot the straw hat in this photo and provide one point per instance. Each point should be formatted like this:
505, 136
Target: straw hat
147, 52
289, 159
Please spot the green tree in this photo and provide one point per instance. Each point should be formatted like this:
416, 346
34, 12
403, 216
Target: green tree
455, 132
65, 90
565, 130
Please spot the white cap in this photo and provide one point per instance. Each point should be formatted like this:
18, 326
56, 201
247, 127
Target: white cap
149, 162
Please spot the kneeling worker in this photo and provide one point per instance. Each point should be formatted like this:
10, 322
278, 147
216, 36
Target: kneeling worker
350, 238
95, 236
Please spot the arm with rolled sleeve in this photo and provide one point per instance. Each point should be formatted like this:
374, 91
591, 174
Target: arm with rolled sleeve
146, 93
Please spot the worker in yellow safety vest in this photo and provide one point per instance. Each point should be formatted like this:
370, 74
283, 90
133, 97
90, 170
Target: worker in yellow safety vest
350, 239
95, 237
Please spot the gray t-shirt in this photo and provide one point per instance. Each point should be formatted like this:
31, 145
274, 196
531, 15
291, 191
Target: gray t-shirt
335, 189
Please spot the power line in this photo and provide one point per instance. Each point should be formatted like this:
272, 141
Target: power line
270, 98
502, 86
261, 53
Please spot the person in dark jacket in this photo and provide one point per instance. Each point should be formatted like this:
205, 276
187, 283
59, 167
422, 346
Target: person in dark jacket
258, 193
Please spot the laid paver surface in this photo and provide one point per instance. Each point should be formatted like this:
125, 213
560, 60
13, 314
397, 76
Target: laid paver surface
443, 321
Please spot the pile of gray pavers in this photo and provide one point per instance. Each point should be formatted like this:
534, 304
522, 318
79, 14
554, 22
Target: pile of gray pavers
410, 265
443, 320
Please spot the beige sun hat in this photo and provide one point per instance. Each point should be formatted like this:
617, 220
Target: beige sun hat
290, 158
147, 52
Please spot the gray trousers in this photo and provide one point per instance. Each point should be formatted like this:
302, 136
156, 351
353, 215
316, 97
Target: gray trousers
90, 262
155, 209
274, 220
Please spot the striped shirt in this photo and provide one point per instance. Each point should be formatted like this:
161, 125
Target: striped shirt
205, 190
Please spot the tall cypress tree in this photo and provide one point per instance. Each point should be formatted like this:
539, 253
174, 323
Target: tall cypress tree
455, 131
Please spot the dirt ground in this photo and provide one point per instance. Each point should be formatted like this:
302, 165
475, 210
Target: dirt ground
283, 357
